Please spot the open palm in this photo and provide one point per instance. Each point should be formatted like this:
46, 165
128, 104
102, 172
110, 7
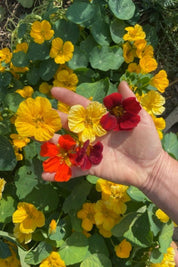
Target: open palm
128, 156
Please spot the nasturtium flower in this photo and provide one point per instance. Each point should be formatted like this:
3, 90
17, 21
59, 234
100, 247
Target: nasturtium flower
123, 249
45, 88
105, 233
2, 184
66, 79
53, 259
128, 52
168, 259
162, 216
134, 67
86, 121
22, 237
63, 107
87, 215
52, 226
88, 155
12, 260
28, 217
36, 118
153, 102
26, 92
105, 216
21, 47
143, 49
61, 157
16, 70
19, 141
61, 51
148, 64
160, 81
122, 115
134, 33
41, 31
160, 125
18, 155
5, 55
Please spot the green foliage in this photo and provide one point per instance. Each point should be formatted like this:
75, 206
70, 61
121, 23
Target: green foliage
170, 144
7, 157
26, 3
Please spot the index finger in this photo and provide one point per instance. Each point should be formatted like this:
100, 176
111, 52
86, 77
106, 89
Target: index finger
69, 97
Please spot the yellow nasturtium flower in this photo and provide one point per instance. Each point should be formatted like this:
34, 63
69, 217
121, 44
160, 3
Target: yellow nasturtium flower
45, 88
162, 216
53, 259
41, 31
5, 55
61, 51
87, 215
65, 78
63, 107
148, 64
123, 249
160, 125
21, 47
128, 52
2, 184
28, 217
52, 226
134, 33
21, 237
134, 67
153, 102
86, 122
26, 92
160, 81
36, 118
19, 141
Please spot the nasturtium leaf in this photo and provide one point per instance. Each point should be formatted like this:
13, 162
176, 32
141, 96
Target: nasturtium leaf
136, 194
92, 179
58, 234
97, 244
22, 29
96, 90
139, 232
79, 59
38, 51
74, 248
47, 69
32, 149
117, 29
77, 197
33, 76
122, 9
106, 58
96, 260
165, 237
41, 252
100, 31
80, 12
26, 3
7, 157
22, 254
156, 256
5, 79
7, 208
44, 197
25, 181
66, 30
13, 100
155, 223
119, 229
75, 221
170, 144
20, 59
4, 250
88, 44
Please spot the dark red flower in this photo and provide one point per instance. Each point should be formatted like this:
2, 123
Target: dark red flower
122, 115
89, 155
61, 157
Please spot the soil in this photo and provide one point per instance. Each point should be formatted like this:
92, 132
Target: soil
13, 11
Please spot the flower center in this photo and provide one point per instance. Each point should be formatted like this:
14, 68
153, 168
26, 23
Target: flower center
88, 121
118, 111
64, 155
38, 121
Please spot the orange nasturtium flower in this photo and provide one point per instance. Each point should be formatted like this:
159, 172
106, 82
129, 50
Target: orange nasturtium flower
87, 215
28, 217
41, 31
26, 92
61, 157
86, 122
53, 259
61, 51
123, 249
160, 81
134, 33
36, 118
148, 64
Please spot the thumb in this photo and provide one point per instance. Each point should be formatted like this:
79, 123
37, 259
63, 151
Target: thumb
124, 90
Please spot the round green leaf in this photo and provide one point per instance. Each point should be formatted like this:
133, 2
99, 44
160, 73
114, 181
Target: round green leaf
96, 260
26, 3
79, 59
74, 248
7, 208
38, 51
41, 252
100, 31
20, 59
66, 30
47, 69
106, 58
117, 29
33, 75
5, 79
7, 157
13, 100
122, 9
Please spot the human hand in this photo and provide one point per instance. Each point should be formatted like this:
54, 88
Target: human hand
129, 157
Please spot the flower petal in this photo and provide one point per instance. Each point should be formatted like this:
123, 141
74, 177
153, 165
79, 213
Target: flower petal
112, 100
66, 142
131, 105
63, 173
129, 121
108, 122
51, 164
48, 150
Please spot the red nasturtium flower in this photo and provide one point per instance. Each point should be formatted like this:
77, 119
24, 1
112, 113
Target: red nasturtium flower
89, 155
122, 115
61, 157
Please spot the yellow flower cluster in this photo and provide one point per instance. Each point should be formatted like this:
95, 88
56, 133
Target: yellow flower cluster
53, 259
168, 259
106, 212
26, 219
